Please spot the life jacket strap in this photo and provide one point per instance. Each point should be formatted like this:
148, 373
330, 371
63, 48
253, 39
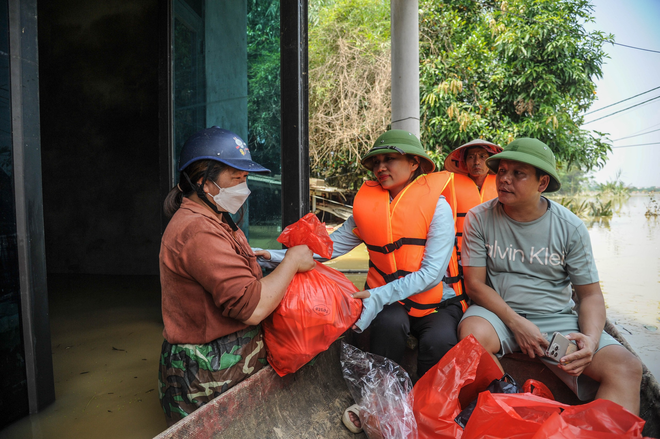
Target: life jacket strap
389, 248
452, 279
389, 277
409, 304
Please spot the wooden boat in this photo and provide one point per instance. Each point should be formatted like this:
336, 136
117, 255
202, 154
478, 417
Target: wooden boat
310, 403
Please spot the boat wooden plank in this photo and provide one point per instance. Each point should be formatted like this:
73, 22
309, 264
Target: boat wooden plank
310, 402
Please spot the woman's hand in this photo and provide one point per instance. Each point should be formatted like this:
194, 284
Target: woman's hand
362, 294
263, 253
302, 256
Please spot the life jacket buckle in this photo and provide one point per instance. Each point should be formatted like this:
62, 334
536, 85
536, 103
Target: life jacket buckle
393, 246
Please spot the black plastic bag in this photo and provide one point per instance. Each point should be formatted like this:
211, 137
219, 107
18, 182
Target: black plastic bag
506, 384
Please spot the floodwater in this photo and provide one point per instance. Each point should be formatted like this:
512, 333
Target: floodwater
627, 253
107, 331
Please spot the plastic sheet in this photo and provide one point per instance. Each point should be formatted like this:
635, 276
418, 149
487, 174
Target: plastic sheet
450, 385
383, 390
317, 308
527, 416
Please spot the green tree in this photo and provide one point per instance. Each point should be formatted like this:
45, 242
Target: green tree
263, 40
515, 68
573, 181
349, 85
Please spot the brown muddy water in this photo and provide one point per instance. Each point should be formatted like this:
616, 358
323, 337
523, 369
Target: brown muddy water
107, 331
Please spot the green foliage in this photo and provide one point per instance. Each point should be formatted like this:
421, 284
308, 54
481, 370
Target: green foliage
614, 188
515, 68
349, 85
573, 182
578, 208
599, 209
263, 39
586, 208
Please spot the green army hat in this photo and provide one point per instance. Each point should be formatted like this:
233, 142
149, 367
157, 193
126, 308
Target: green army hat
530, 151
398, 142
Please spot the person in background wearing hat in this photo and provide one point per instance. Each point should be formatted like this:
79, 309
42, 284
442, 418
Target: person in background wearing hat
474, 183
408, 228
521, 252
213, 292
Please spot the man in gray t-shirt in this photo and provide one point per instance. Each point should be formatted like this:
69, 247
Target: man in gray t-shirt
521, 253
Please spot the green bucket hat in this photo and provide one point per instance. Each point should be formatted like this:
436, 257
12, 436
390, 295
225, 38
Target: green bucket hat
530, 151
398, 142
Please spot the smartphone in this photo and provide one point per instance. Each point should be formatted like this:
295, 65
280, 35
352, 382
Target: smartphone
559, 347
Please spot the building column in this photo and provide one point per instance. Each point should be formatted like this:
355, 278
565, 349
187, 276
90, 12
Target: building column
405, 65
26, 145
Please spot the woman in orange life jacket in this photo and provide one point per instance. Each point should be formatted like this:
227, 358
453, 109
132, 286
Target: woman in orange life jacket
408, 227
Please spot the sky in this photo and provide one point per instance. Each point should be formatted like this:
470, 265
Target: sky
626, 73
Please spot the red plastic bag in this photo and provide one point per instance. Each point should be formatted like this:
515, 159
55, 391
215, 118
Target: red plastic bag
524, 416
310, 231
449, 386
317, 308
536, 387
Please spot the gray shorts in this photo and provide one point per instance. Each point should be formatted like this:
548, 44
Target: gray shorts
564, 322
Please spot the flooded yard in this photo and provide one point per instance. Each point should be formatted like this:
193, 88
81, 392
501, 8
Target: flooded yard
627, 252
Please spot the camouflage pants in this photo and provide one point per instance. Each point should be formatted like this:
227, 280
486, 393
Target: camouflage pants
192, 375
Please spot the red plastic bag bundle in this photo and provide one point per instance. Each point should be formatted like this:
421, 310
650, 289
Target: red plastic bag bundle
317, 308
524, 416
449, 386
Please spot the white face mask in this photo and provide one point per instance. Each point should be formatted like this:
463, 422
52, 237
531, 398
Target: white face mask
231, 198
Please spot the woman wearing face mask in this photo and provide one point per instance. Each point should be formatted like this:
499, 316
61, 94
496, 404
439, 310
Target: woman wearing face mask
407, 224
213, 294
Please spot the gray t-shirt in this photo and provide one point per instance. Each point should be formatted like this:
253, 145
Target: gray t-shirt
530, 264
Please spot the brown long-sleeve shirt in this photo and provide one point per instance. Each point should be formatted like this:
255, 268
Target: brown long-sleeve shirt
209, 277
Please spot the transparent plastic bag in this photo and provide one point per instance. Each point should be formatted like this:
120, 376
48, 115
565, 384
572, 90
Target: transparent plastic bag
383, 390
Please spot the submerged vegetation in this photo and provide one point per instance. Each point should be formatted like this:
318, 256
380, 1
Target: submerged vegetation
653, 208
587, 208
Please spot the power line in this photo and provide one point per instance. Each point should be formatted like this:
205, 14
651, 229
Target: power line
638, 48
628, 108
627, 99
635, 135
638, 144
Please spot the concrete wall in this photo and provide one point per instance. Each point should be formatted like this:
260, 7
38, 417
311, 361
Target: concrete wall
99, 122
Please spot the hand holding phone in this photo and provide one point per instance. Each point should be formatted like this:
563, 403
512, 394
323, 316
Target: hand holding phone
559, 347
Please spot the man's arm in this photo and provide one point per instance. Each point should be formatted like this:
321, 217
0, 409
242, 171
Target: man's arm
591, 320
527, 334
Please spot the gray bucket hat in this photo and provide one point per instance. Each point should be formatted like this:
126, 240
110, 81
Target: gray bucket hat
398, 142
455, 161
530, 151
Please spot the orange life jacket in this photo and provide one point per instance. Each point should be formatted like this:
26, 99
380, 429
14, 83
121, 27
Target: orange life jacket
395, 235
467, 197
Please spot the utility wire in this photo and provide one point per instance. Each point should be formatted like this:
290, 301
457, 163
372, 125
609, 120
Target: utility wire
638, 144
638, 48
627, 99
635, 135
628, 108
